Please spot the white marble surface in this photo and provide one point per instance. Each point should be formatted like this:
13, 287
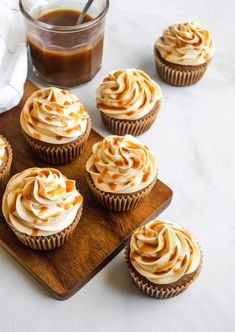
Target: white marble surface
193, 139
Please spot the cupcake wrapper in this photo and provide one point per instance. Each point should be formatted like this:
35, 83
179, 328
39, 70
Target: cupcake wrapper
174, 75
49, 242
5, 173
131, 127
119, 202
59, 155
157, 291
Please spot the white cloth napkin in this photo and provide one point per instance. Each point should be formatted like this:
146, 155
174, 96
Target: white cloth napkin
13, 55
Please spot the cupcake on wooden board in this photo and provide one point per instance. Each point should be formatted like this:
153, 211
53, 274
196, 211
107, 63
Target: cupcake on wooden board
5, 161
55, 125
183, 53
121, 172
163, 259
129, 101
42, 207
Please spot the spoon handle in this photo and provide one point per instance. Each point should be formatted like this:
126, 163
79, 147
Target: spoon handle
84, 11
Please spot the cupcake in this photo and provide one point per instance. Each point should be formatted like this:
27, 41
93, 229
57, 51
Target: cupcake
121, 172
42, 207
128, 101
5, 161
55, 125
183, 53
163, 259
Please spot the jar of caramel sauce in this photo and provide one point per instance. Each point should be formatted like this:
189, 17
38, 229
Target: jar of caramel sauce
62, 52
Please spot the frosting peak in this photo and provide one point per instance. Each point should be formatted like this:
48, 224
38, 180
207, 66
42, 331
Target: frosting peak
187, 43
40, 201
163, 252
121, 164
2, 150
54, 116
127, 94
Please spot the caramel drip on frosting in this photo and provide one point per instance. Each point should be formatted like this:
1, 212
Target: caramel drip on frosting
121, 164
40, 201
187, 43
54, 116
164, 252
127, 94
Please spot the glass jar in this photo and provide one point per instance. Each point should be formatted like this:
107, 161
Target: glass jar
65, 55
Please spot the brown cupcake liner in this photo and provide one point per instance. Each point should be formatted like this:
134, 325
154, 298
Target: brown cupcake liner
131, 127
159, 291
119, 202
178, 75
59, 154
5, 172
48, 242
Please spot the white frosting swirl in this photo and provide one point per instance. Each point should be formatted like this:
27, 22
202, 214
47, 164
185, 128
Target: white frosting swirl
127, 94
187, 43
54, 116
2, 150
163, 252
40, 201
121, 164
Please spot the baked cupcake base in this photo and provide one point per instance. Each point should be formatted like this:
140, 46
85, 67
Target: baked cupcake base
131, 127
49, 242
5, 168
178, 75
119, 202
159, 291
59, 154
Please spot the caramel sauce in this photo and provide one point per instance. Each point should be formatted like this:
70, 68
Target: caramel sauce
59, 138
131, 145
35, 232
66, 62
145, 176
135, 163
78, 200
116, 176
69, 185
59, 190
112, 186
37, 136
69, 131
119, 163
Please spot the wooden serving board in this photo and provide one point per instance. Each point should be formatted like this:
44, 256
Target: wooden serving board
100, 234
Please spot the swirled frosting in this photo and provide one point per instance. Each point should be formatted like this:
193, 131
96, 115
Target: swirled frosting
187, 43
127, 94
121, 164
2, 150
40, 201
54, 116
163, 252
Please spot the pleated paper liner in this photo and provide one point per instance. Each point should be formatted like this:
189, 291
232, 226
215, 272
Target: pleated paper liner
49, 242
5, 172
131, 127
160, 291
176, 74
119, 202
59, 154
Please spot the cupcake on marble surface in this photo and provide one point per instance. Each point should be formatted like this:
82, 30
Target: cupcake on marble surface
163, 259
5, 161
128, 101
42, 207
183, 53
121, 172
55, 125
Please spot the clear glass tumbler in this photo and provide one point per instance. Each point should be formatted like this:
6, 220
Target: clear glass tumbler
65, 55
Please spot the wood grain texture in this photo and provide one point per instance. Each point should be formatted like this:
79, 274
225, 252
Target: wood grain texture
100, 234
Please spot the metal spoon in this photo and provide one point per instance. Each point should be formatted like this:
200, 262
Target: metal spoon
84, 11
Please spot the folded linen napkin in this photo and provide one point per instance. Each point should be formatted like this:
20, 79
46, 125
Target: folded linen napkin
13, 55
